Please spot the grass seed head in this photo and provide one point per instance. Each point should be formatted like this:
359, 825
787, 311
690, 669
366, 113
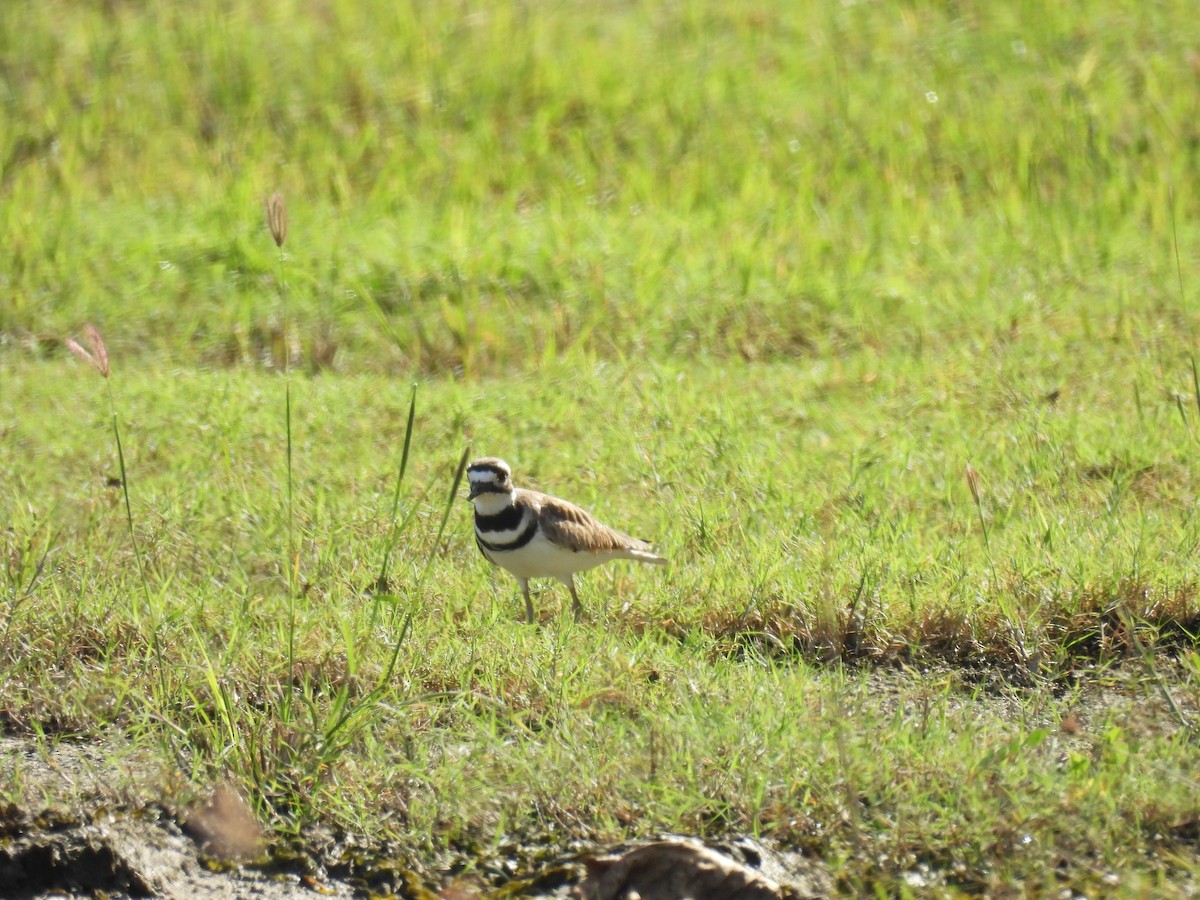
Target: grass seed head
98, 356
277, 220
973, 482
98, 348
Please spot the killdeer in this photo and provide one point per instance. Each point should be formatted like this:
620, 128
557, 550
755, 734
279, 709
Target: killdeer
535, 535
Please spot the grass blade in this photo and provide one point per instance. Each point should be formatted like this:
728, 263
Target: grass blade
406, 625
458, 475
381, 583
137, 553
1196, 383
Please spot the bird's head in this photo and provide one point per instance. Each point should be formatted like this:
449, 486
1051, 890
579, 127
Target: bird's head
489, 476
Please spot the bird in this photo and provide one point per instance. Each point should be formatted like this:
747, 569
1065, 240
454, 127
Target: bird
534, 535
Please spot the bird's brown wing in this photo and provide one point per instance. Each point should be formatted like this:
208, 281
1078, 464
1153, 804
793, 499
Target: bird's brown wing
568, 525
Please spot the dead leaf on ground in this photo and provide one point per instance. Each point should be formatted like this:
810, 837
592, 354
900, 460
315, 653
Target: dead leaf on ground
673, 870
224, 826
458, 892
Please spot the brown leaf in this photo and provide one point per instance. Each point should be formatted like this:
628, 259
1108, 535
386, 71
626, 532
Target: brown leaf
457, 892
224, 826
669, 870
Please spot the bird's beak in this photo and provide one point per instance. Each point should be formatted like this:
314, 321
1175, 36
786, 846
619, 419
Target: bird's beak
472, 493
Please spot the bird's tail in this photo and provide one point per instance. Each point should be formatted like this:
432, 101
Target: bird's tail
647, 557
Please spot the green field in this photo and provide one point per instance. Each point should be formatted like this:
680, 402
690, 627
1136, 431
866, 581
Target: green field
761, 281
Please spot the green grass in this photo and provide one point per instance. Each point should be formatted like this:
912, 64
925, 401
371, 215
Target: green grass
757, 281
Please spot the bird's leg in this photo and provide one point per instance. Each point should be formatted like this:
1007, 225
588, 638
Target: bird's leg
524, 582
576, 606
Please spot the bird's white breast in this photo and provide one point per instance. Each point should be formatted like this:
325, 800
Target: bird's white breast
542, 559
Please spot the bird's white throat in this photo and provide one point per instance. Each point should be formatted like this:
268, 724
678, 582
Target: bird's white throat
491, 504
